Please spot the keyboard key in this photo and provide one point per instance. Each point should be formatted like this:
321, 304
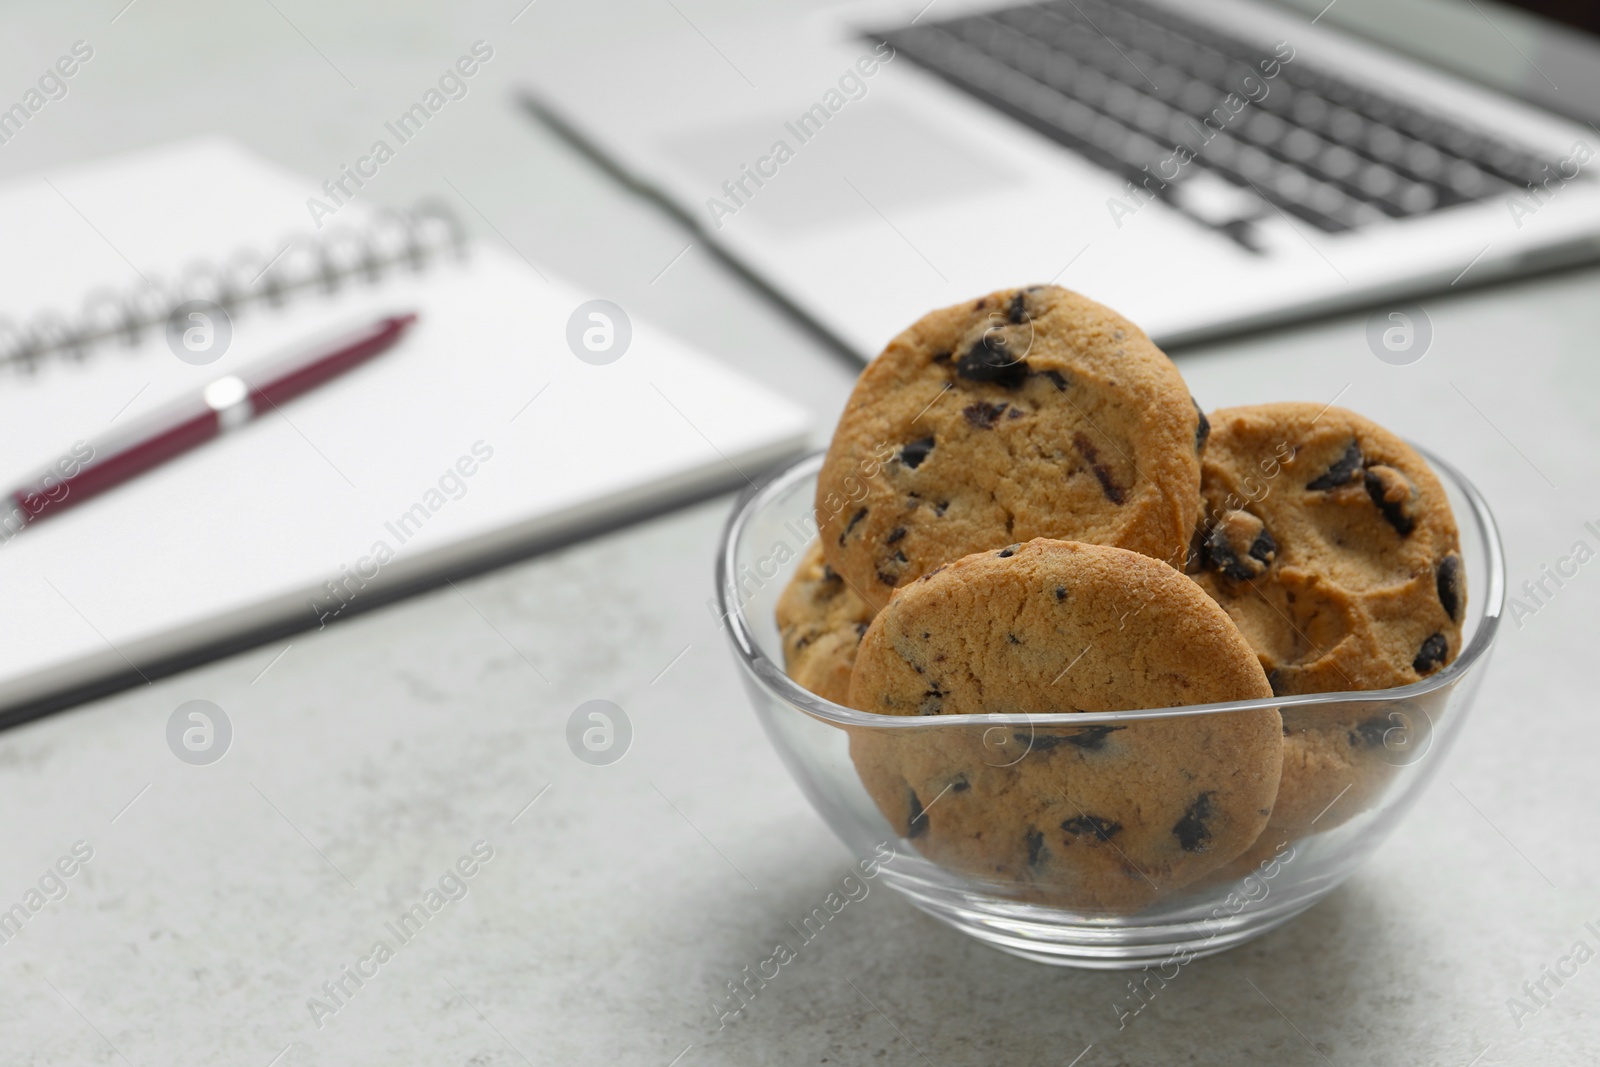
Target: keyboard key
1254, 163
1346, 127
1302, 145
1378, 181
1199, 98
1418, 198
1468, 180
1386, 144
1424, 161
1338, 162
1309, 110
1292, 184
1122, 101
1266, 129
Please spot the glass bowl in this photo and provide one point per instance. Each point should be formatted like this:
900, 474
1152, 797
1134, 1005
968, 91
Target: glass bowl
1364, 759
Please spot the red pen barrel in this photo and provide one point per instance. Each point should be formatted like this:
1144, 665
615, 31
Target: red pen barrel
225, 404
305, 378
112, 469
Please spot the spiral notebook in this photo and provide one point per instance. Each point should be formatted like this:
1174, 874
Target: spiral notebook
480, 436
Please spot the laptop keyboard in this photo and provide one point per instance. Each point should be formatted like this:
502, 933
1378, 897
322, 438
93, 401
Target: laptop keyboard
1124, 83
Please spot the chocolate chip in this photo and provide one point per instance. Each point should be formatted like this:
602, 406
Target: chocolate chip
960, 785
1038, 742
1061, 592
1008, 551
1448, 578
1035, 847
1019, 309
914, 453
1014, 413
886, 579
1240, 547
1013, 639
1191, 830
917, 824
1264, 549
1104, 829
941, 357
1391, 492
895, 535
900, 557
988, 361
941, 507
1058, 378
1203, 431
861, 630
983, 414
1341, 472
1086, 449
857, 517
1431, 657
1370, 733
1221, 556
1194, 557
829, 574
1278, 682
1091, 738
1088, 738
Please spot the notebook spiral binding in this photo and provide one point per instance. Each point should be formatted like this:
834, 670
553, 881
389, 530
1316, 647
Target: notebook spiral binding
327, 262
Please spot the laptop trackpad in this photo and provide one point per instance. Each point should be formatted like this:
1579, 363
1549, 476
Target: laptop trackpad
817, 168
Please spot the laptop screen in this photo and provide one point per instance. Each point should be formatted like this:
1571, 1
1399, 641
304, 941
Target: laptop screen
1580, 16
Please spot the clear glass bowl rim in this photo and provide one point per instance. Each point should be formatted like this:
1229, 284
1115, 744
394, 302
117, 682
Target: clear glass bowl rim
755, 497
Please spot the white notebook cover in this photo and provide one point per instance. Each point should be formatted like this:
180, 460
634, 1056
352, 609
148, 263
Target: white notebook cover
357, 487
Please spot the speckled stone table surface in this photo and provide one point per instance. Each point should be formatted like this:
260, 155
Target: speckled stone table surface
377, 761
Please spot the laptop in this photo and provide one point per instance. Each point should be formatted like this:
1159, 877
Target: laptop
1204, 166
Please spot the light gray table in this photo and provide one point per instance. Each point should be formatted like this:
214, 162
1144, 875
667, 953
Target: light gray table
368, 758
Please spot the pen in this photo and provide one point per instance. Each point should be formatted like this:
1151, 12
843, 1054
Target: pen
225, 404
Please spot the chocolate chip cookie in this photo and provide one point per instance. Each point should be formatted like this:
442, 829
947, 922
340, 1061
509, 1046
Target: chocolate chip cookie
1331, 544
1100, 817
1025, 413
821, 622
